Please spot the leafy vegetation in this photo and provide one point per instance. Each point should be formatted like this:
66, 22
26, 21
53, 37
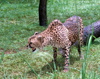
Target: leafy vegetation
19, 20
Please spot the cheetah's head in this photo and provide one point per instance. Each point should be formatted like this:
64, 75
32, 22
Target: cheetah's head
35, 41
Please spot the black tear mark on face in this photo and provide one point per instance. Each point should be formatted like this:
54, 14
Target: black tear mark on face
30, 45
33, 49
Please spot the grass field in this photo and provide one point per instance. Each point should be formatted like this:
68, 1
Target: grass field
19, 20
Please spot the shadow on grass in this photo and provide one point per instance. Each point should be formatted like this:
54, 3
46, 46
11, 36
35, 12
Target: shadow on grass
59, 65
96, 42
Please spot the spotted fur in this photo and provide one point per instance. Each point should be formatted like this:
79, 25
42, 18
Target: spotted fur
75, 25
58, 36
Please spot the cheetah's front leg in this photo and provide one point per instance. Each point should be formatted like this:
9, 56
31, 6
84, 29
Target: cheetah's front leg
54, 53
66, 67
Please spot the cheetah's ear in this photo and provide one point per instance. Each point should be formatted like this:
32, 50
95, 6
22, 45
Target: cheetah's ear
40, 38
36, 33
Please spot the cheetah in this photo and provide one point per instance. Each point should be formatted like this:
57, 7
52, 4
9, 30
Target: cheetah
58, 36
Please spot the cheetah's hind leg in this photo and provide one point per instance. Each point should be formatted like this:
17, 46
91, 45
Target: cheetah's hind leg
80, 53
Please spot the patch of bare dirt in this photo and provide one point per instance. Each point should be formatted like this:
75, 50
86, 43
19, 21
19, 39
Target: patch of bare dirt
8, 52
12, 51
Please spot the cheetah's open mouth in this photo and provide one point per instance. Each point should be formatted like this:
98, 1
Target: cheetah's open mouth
33, 49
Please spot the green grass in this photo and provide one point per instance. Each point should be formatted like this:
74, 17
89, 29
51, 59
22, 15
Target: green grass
19, 20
